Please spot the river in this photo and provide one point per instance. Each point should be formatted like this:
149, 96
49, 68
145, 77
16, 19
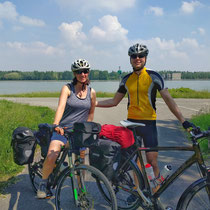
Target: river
13, 87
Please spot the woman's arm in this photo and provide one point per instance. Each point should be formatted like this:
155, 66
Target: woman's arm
65, 93
93, 102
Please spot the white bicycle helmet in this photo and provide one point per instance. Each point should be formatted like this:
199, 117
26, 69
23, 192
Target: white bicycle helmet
138, 49
80, 64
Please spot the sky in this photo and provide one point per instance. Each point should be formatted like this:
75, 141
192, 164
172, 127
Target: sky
48, 35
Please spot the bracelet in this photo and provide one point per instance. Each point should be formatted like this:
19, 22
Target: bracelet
55, 125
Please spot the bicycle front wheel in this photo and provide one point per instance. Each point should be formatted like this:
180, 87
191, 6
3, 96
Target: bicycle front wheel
85, 191
196, 197
128, 180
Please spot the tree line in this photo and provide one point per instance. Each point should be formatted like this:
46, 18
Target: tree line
93, 75
53, 75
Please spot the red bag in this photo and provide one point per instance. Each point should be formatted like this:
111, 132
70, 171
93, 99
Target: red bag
119, 134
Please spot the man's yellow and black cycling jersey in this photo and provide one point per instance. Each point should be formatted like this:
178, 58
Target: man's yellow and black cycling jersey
141, 91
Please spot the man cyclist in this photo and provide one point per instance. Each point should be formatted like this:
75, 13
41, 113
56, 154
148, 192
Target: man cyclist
141, 86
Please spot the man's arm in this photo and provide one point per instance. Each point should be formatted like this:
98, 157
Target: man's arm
172, 105
111, 102
93, 102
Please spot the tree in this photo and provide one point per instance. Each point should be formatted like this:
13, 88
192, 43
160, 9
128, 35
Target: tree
12, 76
103, 75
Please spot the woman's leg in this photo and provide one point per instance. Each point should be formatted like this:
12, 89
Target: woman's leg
49, 164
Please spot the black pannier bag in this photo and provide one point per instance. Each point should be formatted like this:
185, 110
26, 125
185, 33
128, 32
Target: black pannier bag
105, 156
23, 144
86, 133
44, 135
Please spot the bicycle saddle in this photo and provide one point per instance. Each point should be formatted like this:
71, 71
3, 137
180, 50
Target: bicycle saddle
127, 123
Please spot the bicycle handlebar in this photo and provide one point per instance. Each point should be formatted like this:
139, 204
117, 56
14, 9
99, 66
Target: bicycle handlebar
196, 133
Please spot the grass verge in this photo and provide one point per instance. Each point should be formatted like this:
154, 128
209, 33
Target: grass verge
203, 121
175, 93
52, 94
14, 115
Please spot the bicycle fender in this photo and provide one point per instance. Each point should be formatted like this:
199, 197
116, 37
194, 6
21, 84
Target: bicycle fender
186, 192
57, 178
139, 172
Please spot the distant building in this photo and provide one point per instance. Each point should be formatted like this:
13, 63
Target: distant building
176, 76
169, 76
172, 76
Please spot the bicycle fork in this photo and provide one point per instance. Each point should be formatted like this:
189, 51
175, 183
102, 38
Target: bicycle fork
208, 181
77, 183
73, 179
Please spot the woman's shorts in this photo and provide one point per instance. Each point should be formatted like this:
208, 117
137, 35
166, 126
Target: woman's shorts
63, 139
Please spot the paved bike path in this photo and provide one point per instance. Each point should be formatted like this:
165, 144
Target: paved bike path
20, 196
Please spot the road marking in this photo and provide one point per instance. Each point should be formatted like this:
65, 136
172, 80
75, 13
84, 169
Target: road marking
196, 110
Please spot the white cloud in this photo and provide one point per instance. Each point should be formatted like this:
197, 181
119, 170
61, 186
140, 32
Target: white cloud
8, 11
17, 28
34, 48
177, 55
158, 11
73, 33
109, 29
201, 31
189, 7
84, 5
31, 22
114, 5
190, 43
163, 44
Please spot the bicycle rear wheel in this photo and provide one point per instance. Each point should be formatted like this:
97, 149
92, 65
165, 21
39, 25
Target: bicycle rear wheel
125, 186
86, 193
35, 170
196, 197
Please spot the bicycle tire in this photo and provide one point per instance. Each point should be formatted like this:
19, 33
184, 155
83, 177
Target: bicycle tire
88, 197
195, 197
126, 184
35, 170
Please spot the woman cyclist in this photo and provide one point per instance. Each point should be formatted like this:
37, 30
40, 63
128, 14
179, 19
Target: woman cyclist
76, 104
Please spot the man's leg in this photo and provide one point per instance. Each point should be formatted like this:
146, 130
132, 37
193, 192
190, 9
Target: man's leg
152, 159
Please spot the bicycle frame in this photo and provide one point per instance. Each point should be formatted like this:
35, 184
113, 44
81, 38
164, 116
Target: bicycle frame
194, 158
66, 150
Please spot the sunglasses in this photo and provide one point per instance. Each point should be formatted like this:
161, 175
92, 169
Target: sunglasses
134, 56
85, 71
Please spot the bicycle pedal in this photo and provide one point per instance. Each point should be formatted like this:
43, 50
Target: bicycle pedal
47, 197
168, 208
49, 194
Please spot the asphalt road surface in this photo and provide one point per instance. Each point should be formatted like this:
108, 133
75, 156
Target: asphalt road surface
20, 196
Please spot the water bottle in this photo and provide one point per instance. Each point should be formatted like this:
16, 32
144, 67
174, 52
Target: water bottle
63, 166
164, 174
150, 175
